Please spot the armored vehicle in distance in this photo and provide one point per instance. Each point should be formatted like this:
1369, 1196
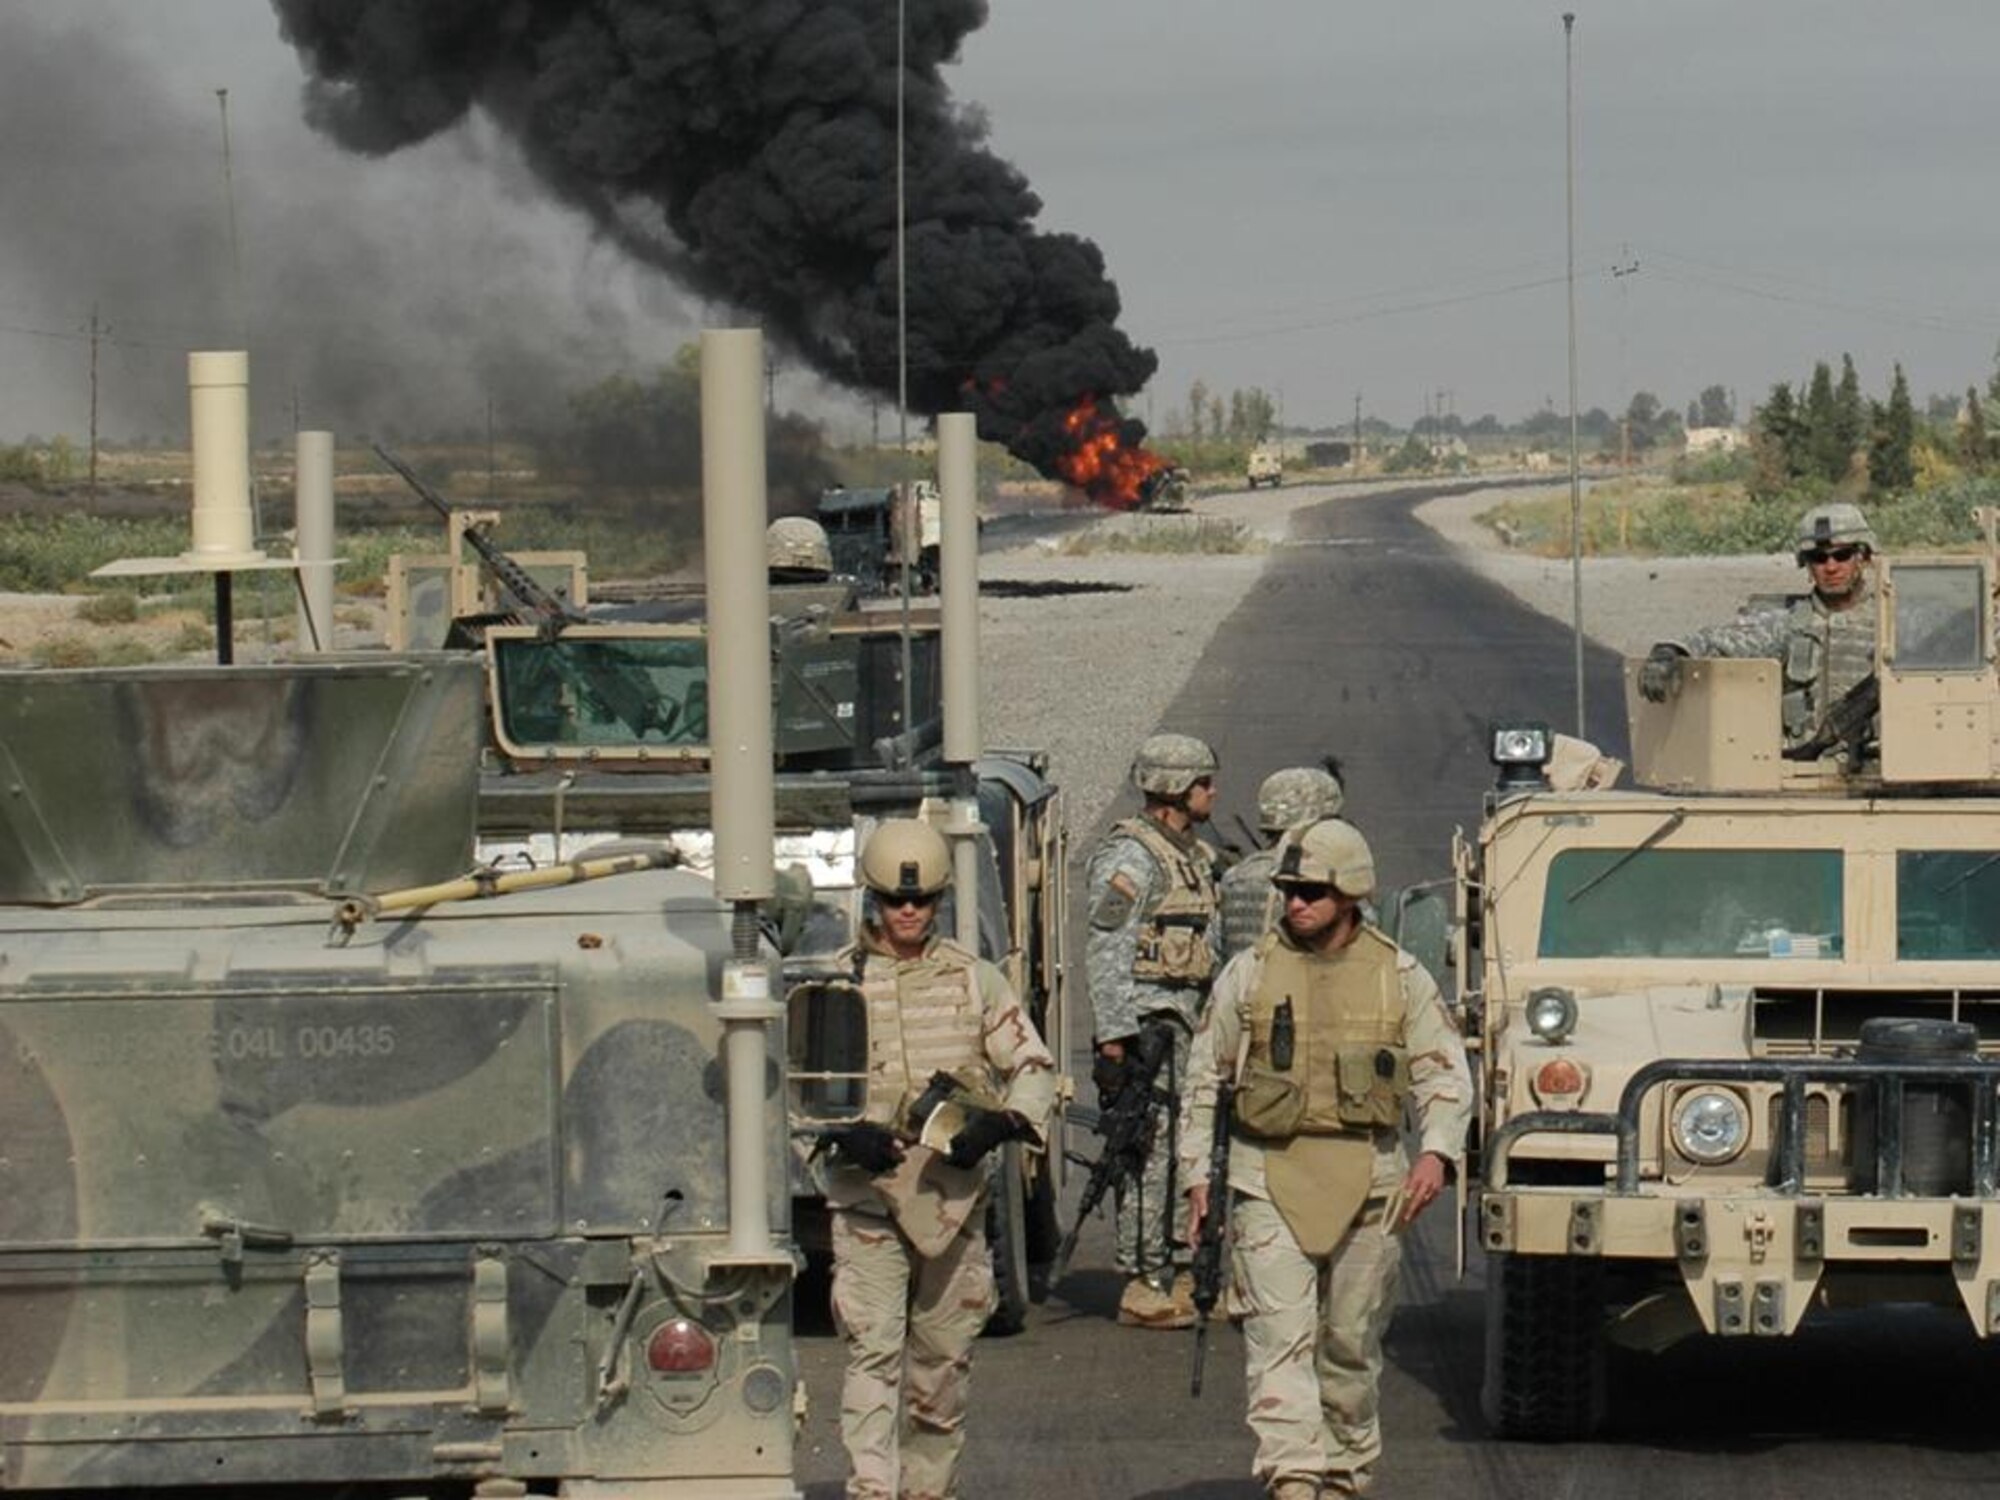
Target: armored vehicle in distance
1739, 1030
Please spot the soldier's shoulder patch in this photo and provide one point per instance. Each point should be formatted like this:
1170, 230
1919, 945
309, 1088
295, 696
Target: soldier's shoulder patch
1114, 903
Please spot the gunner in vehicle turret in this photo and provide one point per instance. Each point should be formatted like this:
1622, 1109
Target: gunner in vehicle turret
1824, 639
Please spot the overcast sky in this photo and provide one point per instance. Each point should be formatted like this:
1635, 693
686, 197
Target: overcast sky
1319, 199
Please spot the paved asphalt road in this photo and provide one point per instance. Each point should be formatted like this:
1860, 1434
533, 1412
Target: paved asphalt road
1367, 640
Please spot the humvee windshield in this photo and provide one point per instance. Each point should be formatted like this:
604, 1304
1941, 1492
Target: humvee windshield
1692, 903
1948, 903
577, 690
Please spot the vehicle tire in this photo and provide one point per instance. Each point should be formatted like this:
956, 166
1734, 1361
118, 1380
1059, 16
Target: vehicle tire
1007, 1237
1545, 1348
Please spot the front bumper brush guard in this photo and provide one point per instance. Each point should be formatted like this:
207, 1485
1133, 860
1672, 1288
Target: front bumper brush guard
1887, 1079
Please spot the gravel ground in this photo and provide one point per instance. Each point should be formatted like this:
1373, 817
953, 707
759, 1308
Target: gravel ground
1085, 675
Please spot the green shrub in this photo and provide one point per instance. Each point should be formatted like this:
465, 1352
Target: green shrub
119, 607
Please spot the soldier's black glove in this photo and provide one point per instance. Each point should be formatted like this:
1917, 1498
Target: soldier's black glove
871, 1147
1661, 673
985, 1129
1109, 1074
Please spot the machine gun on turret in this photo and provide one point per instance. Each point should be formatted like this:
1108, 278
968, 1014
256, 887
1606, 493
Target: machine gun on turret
542, 609
598, 675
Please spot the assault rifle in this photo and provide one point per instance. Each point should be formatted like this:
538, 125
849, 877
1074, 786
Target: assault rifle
1210, 1238
1848, 724
1127, 1127
616, 688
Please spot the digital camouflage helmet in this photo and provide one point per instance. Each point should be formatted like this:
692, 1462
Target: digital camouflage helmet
796, 546
1295, 795
1838, 523
1168, 764
905, 857
1329, 852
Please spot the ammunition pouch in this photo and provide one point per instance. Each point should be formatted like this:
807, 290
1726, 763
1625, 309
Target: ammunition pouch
1373, 1082
1270, 1105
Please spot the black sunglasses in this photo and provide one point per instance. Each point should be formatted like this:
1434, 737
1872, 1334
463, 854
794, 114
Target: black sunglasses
1307, 891
1832, 554
916, 901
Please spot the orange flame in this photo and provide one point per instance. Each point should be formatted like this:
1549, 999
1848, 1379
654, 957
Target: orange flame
1098, 461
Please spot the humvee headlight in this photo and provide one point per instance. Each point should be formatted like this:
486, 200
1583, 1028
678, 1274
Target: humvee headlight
1520, 751
1710, 1126
1551, 1014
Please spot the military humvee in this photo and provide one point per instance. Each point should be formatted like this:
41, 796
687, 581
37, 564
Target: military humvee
327, 1157
600, 733
1739, 1031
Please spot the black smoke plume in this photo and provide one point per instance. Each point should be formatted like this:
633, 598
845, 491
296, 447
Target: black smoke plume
747, 147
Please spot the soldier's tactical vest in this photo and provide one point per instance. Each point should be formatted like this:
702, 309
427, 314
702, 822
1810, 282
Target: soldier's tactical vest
1827, 652
923, 1017
1173, 930
1348, 1069
1249, 901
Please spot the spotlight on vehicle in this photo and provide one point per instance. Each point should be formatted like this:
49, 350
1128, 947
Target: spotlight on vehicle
1551, 1014
1520, 751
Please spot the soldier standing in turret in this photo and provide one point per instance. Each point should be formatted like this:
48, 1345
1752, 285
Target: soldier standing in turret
1250, 905
912, 1275
1824, 639
1149, 959
1331, 1033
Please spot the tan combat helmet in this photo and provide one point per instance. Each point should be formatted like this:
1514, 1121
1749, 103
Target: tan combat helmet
905, 857
1297, 794
795, 547
1168, 764
1329, 852
1831, 525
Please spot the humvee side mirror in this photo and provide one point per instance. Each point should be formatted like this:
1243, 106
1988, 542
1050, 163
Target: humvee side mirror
826, 1030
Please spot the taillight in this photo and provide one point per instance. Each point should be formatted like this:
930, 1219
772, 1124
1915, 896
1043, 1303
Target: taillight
680, 1347
1560, 1080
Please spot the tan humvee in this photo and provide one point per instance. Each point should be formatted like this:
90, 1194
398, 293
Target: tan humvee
1739, 1033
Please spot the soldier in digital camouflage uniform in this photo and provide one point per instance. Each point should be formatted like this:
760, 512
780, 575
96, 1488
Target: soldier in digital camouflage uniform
1149, 958
912, 1275
1336, 1039
1825, 640
1297, 794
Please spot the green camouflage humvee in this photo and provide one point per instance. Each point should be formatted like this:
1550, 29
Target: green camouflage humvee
1739, 1030
318, 1161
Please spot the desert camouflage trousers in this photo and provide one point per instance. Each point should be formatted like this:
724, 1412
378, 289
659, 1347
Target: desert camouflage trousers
1312, 1332
909, 1322
1151, 1212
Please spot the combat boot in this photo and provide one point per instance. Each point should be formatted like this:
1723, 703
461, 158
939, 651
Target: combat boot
1183, 1295
1295, 1488
1145, 1305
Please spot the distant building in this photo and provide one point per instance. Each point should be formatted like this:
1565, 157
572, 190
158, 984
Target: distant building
1714, 439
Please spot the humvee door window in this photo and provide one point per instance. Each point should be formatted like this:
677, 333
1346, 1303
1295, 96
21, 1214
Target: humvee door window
1692, 903
1937, 617
583, 690
1947, 903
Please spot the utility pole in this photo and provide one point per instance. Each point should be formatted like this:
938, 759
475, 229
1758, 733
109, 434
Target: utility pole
95, 331
1356, 458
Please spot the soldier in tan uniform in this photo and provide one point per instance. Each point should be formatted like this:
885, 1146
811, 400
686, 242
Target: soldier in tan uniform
1824, 640
1334, 1038
1148, 959
1287, 798
912, 1276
